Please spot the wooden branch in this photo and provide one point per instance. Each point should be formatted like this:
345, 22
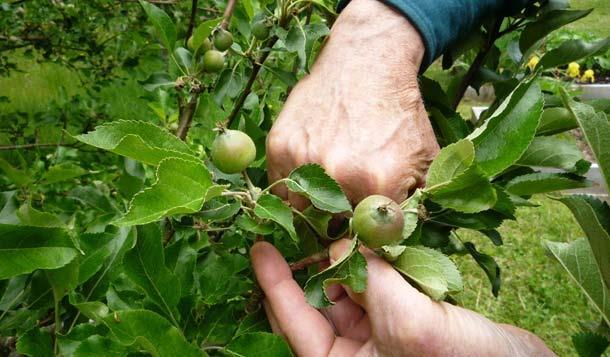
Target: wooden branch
186, 117
478, 62
226, 17
189, 30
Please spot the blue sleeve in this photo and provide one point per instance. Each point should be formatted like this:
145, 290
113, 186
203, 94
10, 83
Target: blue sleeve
442, 22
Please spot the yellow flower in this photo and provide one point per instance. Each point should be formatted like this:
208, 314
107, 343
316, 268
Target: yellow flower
574, 70
588, 76
533, 62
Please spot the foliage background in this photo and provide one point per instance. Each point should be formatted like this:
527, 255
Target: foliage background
537, 295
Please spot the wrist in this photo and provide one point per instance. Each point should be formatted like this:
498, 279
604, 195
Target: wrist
370, 27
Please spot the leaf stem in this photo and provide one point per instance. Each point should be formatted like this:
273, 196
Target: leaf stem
266, 190
57, 322
310, 260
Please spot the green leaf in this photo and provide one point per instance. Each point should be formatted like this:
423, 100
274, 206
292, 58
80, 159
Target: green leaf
271, 207
469, 193
14, 289
433, 272
64, 279
149, 331
259, 344
229, 84
24, 249
596, 129
18, 177
456, 181
589, 344
35, 343
349, 270
324, 193
452, 128
489, 266
450, 162
217, 210
145, 266
506, 135
184, 58
97, 248
35, 218
218, 325
288, 78
124, 239
578, 260
546, 24
549, 151
249, 224
158, 80
166, 30
141, 141
593, 216
391, 252
98, 346
295, 42
62, 172
203, 31
182, 186
556, 120
573, 50
530, 184
254, 322
219, 278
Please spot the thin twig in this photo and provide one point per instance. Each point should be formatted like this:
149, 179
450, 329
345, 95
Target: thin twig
189, 31
477, 63
34, 146
256, 67
310, 260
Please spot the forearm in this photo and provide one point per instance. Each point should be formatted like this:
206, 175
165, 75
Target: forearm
488, 338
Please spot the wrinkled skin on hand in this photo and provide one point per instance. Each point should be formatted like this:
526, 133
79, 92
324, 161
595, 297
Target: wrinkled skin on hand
391, 318
359, 113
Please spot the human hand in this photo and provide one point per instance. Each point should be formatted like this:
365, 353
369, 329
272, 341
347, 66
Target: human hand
359, 113
391, 318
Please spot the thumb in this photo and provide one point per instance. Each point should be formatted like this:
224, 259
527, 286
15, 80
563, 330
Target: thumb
387, 293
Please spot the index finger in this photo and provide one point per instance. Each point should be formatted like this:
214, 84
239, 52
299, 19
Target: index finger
307, 331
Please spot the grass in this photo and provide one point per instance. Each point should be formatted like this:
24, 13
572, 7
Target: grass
37, 86
536, 293
597, 22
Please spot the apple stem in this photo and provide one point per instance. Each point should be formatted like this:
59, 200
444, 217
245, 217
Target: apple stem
310, 260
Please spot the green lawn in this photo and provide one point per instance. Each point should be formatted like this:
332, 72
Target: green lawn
597, 22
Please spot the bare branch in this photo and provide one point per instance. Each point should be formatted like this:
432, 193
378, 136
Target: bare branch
189, 31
